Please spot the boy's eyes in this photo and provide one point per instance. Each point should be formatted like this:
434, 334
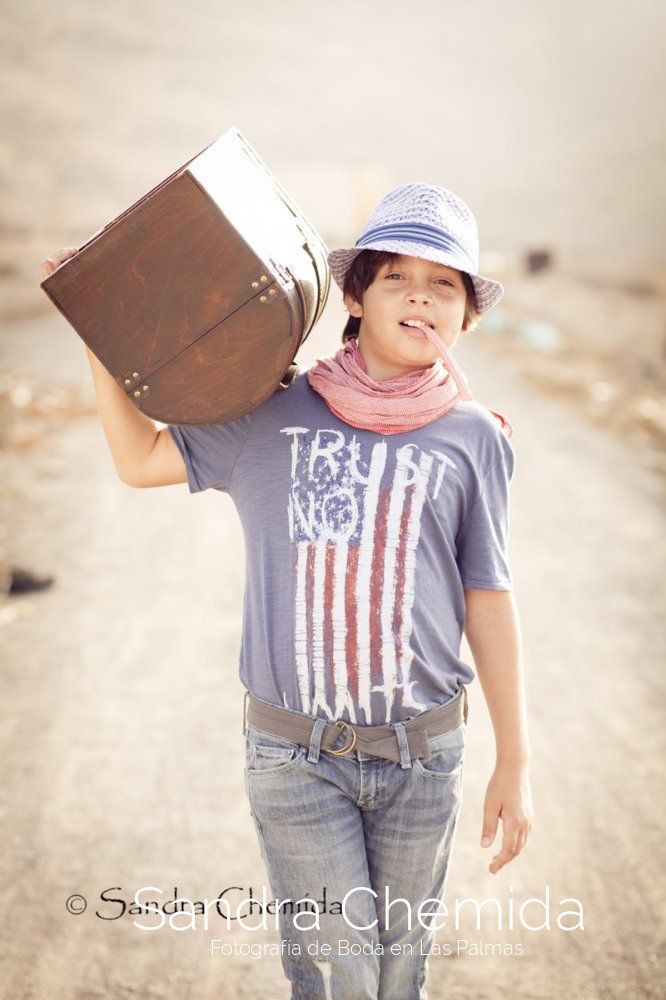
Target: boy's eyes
396, 274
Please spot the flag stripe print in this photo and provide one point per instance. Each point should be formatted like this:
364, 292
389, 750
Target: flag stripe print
355, 570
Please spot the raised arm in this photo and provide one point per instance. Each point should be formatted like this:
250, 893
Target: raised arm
143, 456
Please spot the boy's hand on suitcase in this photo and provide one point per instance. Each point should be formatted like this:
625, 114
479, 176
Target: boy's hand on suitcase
508, 797
49, 264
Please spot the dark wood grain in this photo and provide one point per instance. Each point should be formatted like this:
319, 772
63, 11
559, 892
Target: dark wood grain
194, 320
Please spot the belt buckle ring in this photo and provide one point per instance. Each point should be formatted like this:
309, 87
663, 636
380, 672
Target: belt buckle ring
343, 750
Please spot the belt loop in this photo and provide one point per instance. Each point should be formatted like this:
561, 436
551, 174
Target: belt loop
315, 740
246, 698
465, 704
405, 759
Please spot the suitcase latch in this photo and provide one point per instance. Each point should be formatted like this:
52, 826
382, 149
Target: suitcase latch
284, 272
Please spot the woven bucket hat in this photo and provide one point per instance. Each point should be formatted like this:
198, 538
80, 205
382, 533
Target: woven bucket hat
422, 220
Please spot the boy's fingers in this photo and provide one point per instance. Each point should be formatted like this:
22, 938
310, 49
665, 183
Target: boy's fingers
49, 264
508, 849
498, 862
513, 842
64, 255
489, 828
523, 839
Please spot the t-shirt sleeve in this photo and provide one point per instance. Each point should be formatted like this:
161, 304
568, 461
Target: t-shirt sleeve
210, 453
482, 541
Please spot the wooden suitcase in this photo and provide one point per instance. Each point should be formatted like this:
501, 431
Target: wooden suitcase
198, 297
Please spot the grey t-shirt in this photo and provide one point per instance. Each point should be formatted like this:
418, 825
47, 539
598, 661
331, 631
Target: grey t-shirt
358, 546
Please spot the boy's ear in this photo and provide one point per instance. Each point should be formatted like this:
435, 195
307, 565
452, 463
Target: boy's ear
353, 307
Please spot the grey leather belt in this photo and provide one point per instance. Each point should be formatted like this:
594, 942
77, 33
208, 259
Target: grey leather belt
341, 738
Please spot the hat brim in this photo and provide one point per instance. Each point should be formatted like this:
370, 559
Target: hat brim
487, 291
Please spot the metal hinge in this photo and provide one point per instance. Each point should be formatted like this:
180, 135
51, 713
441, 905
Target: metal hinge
141, 391
260, 281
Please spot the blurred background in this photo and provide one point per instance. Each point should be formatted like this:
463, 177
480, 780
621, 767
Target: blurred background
116, 605
547, 121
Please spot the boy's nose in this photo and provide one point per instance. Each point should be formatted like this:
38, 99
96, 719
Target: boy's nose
421, 295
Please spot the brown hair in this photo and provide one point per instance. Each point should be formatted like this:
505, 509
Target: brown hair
363, 271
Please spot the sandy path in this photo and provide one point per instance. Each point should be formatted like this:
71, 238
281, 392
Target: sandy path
121, 755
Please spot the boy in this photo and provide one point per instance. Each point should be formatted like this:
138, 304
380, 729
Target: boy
373, 494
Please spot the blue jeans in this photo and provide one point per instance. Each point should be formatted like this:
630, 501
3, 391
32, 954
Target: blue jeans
355, 823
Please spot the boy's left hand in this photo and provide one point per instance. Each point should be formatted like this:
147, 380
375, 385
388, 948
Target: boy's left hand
509, 797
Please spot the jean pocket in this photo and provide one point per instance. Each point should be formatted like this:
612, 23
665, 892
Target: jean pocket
447, 754
265, 752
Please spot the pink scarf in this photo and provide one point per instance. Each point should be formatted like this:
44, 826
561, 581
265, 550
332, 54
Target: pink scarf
392, 405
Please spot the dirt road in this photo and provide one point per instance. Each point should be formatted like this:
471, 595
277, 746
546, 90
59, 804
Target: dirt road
121, 761
120, 748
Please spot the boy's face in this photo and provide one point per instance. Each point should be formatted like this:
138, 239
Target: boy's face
410, 288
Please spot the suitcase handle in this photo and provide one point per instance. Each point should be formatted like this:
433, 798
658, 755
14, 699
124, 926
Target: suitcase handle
288, 376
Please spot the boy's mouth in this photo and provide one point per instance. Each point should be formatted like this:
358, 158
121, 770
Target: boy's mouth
417, 326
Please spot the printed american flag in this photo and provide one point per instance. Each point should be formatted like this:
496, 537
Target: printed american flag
355, 526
